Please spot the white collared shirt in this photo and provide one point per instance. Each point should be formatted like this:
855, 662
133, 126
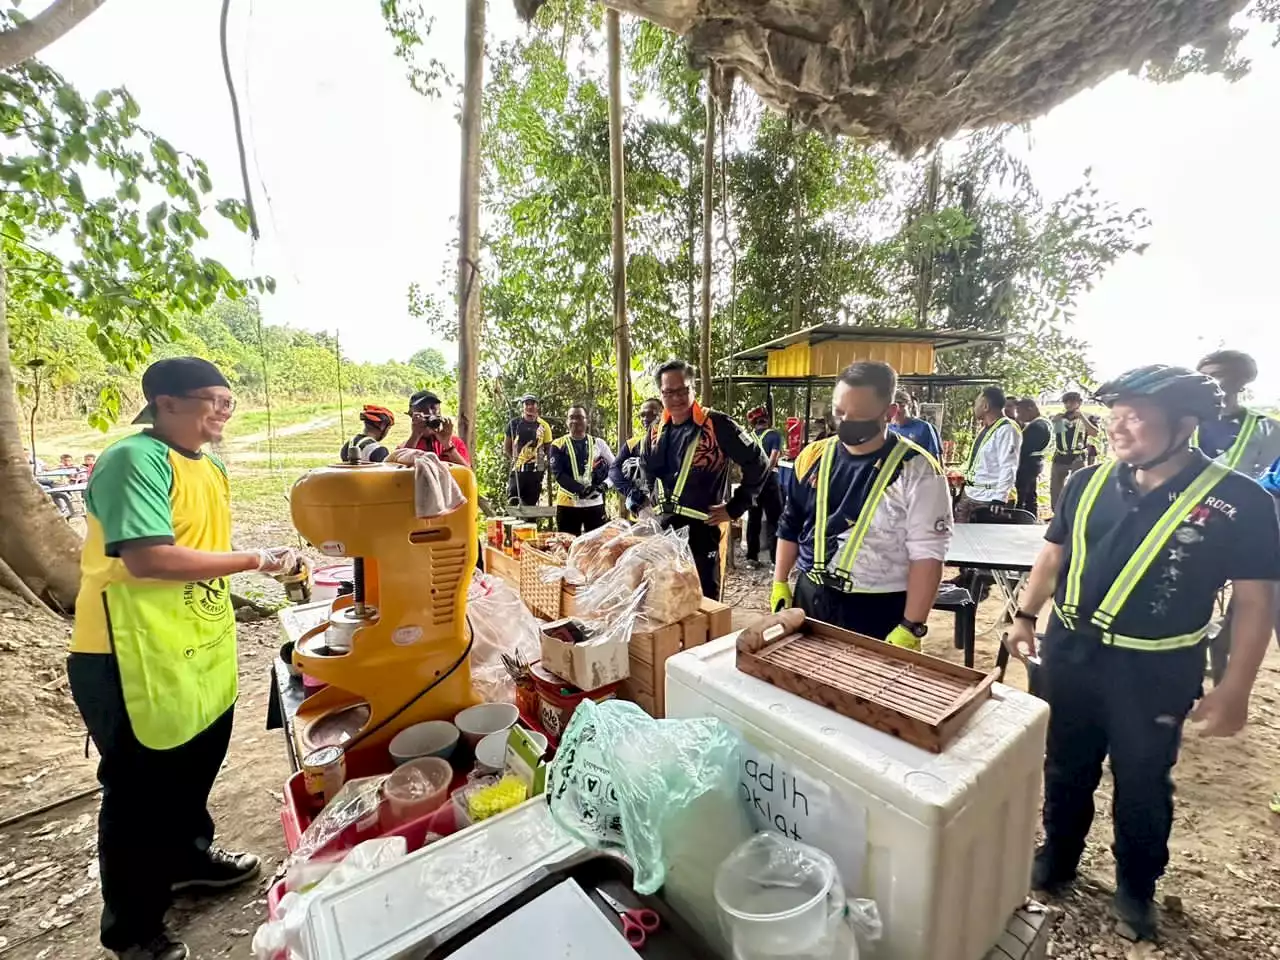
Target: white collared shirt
996, 466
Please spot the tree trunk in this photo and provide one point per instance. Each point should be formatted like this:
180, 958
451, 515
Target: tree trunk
924, 268
469, 316
26, 40
691, 223
621, 330
35, 542
728, 241
708, 183
797, 223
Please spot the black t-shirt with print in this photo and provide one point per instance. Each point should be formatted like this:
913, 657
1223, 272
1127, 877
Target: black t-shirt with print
1231, 535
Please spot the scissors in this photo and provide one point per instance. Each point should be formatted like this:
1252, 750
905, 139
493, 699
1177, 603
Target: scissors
637, 923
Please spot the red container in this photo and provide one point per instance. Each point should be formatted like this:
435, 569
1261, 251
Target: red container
300, 808
557, 699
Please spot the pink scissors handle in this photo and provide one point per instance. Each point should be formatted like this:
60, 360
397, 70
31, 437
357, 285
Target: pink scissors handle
637, 923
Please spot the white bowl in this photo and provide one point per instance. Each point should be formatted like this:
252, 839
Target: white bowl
435, 738
491, 752
485, 718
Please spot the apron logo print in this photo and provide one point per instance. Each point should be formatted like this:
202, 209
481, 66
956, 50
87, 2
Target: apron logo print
189, 652
207, 598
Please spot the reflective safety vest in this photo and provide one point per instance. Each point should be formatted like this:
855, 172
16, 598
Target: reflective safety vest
670, 503
983, 439
1074, 447
175, 645
581, 474
1139, 562
841, 568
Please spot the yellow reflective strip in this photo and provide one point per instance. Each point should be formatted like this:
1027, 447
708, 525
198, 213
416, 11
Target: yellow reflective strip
822, 510
1159, 643
1067, 620
1236, 453
688, 463
844, 562
1079, 545
1140, 562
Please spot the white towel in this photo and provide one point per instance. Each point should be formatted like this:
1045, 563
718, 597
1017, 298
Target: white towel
434, 489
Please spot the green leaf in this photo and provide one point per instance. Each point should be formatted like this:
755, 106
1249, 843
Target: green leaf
155, 217
102, 99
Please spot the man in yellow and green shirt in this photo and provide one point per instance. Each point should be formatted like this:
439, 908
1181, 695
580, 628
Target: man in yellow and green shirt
153, 661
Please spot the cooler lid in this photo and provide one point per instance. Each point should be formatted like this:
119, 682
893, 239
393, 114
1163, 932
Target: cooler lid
929, 787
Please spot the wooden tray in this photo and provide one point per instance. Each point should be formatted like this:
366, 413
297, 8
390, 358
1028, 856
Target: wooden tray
921, 699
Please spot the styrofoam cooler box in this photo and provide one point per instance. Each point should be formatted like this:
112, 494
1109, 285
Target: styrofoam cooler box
948, 837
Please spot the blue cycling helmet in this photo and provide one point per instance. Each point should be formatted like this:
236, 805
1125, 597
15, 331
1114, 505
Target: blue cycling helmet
1182, 392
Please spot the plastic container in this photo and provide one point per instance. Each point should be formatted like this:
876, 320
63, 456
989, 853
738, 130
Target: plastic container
943, 841
300, 808
779, 899
434, 738
479, 721
557, 699
415, 789
326, 581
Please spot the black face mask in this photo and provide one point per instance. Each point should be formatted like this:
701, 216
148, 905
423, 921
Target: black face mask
857, 432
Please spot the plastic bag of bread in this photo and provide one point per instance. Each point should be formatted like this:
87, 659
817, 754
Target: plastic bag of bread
660, 568
595, 553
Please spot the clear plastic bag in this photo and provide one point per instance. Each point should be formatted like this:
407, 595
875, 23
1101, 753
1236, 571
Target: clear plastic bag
658, 571
501, 625
777, 897
282, 936
357, 802
619, 777
593, 554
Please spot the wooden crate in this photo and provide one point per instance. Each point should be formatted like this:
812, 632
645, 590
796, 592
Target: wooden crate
719, 618
650, 651
542, 597
921, 699
500, 565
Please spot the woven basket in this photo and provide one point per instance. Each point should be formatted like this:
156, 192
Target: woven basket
542, 597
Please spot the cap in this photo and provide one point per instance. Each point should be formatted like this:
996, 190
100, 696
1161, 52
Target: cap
422, 398
176, 377
527, 398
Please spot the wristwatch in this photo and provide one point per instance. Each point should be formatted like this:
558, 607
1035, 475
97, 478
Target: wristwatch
917, 630
1024, 615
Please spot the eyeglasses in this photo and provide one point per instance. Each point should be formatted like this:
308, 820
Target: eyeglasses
1122, 420
219, 404
676, 393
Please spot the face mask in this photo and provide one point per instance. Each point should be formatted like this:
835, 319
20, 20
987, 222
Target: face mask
856, 432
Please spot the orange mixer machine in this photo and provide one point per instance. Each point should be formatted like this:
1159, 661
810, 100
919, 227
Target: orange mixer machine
396, 651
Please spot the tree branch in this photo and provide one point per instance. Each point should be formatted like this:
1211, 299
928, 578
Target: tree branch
27, 39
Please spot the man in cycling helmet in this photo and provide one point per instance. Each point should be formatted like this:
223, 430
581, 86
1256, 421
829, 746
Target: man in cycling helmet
367, 446
1133, 562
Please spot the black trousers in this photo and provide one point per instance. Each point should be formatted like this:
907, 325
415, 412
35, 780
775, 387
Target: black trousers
1025, 482
704, 542
525, 486
576, 520
871, 614
154, 823
767, 507
1129, 705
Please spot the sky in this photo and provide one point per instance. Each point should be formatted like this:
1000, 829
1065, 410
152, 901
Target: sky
355, 176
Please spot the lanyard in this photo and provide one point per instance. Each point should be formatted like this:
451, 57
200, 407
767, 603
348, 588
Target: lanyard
1142, 558
849, 552
983, 438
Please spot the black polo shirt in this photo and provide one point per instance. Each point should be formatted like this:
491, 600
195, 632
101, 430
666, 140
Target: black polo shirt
1231, 535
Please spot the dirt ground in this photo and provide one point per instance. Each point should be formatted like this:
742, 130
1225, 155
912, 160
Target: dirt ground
1221, 893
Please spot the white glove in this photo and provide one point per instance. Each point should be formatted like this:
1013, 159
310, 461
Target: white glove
278, 561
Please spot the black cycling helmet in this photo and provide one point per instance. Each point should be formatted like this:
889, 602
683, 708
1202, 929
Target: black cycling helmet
1182, 392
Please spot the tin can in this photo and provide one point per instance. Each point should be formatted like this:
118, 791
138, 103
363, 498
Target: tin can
508, 536
523, 536
323, 772
493, 532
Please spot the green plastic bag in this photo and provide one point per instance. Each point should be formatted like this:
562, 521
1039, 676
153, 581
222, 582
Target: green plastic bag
619, 776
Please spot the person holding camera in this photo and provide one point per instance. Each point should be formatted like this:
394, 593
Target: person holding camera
430, 430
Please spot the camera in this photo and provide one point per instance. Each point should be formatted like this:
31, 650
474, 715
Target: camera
434, 422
